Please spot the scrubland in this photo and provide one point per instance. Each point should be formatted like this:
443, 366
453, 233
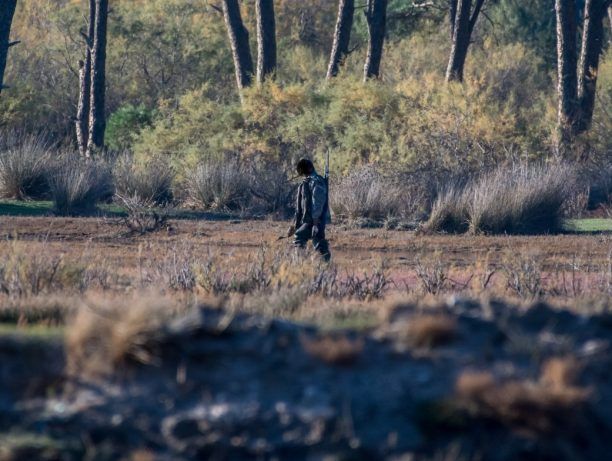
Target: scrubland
455, 340
150, 310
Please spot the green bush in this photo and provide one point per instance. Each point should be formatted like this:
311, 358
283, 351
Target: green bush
125, 123
418, 121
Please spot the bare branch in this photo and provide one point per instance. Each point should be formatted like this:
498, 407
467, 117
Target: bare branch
475, 14
217, 8
16, 42
423, 5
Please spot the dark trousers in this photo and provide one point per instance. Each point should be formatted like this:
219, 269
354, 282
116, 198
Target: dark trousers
319, 242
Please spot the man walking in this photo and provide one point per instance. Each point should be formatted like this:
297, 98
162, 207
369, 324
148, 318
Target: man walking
311, 210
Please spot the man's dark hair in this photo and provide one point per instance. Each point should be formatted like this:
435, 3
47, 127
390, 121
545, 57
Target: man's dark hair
304, 167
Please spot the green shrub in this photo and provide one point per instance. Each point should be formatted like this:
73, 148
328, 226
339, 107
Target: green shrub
124, 124
418, 121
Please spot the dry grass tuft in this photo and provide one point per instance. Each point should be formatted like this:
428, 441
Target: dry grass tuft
333, 349
410, 326
431, 330
149, 184
142, 217
537, 406
24, 167
450, 212
515, 199
77, 185
219, 184
106, 334
561, 373
364, 194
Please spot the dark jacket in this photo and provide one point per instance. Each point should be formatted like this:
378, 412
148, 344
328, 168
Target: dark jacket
311, 201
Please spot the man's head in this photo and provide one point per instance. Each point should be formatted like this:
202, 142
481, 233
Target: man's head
304, 167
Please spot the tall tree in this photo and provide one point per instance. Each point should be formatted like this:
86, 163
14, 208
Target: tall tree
342, 36
266, 39
592, 46
7, 11
610, 19
452, 15
97, 116
567, 90
464, 21
239, 41
376, 19
82, 118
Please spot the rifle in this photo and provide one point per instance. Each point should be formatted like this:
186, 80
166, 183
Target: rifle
326, 177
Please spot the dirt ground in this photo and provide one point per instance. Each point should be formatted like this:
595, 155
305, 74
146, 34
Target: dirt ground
352, 248
105, 371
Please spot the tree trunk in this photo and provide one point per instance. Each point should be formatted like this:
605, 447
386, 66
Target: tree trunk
239, 41
610, 21
465, 21
566, 71
452, 16
376, 18
97, 116
592, 46
342, 36
266, 39
7, 10
82, 118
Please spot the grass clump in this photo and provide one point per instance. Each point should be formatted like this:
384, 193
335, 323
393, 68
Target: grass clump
150, 184
518, 199
333, 349
521, 200
271, 190
78, 185
104, 335
431, 330
539, 405
366, 193
219, 184
450, 212
24, 165
24, 275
